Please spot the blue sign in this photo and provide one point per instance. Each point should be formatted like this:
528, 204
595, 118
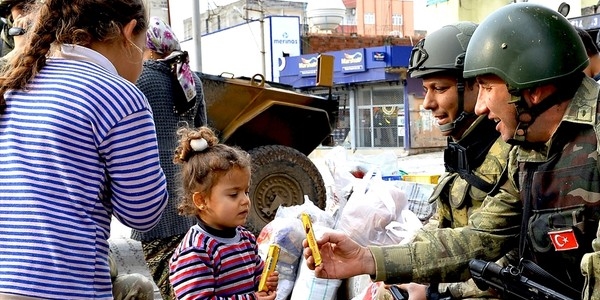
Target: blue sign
353, 61
307, 65
350, 66
379, 56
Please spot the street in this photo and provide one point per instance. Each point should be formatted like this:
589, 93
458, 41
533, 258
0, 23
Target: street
128, 253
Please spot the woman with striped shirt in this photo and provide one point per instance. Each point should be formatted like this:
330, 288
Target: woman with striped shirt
217, 258
77, 146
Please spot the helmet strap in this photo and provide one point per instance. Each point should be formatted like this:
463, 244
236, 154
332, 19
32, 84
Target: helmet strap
463, 115
526, 115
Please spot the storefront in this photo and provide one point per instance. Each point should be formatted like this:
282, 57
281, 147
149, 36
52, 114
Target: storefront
379, 106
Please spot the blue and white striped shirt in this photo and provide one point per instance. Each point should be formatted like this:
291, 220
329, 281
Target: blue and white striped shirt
77, 145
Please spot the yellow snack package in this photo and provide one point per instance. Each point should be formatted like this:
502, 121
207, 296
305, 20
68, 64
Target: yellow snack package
270, 264
310, 237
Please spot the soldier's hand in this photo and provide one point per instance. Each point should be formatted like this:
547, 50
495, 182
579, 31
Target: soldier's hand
341, 257
415, 291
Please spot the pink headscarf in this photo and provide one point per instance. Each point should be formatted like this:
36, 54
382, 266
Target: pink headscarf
161, 39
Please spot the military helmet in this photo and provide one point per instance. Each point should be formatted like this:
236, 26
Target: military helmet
442, 50
527, 45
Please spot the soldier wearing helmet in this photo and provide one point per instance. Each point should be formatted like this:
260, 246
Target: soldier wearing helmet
475, 157
528, 61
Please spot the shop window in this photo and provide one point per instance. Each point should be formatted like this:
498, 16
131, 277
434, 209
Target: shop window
378, 114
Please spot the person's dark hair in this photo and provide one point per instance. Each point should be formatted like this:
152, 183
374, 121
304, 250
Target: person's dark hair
590, 46
203, 165
80, 22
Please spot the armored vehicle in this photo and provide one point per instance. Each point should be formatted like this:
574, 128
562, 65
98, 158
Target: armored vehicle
279, 127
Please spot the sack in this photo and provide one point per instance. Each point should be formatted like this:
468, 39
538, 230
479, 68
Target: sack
377, 214
287, 231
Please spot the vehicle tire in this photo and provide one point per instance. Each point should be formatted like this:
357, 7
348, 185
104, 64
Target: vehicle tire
281, 176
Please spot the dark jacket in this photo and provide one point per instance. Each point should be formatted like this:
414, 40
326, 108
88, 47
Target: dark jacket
155, 82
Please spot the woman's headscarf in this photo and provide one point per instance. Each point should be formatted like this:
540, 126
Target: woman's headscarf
161, 39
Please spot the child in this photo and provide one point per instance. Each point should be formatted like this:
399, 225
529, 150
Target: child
79, 148
218, 258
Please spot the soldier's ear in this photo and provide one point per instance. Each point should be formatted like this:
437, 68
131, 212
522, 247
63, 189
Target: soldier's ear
538, 94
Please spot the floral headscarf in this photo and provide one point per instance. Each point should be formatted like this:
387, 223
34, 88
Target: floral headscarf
161, 39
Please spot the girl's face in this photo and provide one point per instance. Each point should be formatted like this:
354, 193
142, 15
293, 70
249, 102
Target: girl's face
228, 204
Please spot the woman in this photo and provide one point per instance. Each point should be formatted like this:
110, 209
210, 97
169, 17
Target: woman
77, 145
176, 97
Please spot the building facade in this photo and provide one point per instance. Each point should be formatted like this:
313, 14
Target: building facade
379, 106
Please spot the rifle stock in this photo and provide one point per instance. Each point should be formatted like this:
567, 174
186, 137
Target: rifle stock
510, 282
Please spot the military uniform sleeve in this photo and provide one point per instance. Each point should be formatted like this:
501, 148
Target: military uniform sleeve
443, 255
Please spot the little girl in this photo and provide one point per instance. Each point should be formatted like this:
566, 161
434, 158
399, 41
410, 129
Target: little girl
218, 258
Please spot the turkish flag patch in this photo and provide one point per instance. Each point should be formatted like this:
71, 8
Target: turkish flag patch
563, 240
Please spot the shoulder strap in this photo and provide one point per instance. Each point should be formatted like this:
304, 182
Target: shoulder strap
464, 156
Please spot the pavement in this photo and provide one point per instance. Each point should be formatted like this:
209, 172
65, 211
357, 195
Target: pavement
130, 258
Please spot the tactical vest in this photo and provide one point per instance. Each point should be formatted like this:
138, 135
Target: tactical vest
562, 193
474, 167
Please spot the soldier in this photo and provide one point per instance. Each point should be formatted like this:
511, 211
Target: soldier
529, 56
476, 156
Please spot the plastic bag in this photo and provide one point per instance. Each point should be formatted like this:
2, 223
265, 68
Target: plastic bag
288, 234
287, 231
343, 180
377, 214
386, 162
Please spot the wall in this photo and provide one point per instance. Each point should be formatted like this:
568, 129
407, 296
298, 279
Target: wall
383, 10
334, 42
446, 12
237, 50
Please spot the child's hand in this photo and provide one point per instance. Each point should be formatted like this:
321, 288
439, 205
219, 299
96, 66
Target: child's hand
268, 295
272, 281
271, 284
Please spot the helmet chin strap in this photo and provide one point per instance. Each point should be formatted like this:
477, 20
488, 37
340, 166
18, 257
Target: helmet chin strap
526, 115
463, 115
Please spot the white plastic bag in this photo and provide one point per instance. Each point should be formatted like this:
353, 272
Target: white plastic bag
343, 180
386, 162
308, 286
288, 234
377, 214
287, 231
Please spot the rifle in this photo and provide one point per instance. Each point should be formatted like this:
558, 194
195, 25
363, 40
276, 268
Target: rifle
511, 282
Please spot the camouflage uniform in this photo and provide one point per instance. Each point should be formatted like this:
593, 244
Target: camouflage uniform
443, 255
476, 156
456, 198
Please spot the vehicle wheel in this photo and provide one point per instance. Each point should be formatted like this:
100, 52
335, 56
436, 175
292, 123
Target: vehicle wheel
281, 176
